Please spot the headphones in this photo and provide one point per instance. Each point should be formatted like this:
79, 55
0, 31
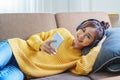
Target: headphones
91, 20
98, 26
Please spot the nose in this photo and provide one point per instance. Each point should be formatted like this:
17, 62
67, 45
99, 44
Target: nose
81, 37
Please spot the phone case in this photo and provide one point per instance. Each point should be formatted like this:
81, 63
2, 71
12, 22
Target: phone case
59, 39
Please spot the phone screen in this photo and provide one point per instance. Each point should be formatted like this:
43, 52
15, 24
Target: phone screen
59, 39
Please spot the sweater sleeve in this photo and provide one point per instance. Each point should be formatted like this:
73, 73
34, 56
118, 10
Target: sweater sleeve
35, 40
85, 63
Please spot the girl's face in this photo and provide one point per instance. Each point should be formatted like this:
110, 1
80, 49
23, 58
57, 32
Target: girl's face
84, 37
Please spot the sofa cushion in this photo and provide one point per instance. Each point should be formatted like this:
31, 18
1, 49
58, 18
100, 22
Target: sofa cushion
109, 56
71, 20
114, 68
23, 25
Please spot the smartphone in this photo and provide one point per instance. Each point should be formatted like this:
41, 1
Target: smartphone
59, 39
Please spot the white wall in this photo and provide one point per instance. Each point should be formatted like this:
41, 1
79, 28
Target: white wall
8, 6
109, 6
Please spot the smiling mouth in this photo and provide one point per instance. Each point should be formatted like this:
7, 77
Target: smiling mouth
75, 44
79, 40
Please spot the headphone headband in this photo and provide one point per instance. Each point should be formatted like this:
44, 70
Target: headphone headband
88, 21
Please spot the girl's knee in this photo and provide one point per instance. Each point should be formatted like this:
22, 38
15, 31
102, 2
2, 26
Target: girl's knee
11, 73
5, 53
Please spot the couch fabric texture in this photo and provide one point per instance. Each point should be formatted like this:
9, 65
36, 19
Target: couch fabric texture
23, 25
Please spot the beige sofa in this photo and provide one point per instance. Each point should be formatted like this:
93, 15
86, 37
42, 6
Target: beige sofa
23, 25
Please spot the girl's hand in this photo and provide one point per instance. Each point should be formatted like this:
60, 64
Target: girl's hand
47, 48
102, 40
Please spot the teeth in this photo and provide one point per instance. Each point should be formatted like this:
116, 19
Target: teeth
54, 52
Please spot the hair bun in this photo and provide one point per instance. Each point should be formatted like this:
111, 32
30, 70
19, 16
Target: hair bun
105, 25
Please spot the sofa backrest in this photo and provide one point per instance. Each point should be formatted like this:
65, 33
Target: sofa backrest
23, 25
71, 20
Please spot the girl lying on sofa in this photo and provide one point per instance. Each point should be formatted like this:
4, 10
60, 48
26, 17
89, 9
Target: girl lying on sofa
36, 57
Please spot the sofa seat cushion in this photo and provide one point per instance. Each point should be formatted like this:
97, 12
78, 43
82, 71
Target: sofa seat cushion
64, 76
101, 75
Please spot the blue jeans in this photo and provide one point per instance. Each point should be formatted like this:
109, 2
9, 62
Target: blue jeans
9, 69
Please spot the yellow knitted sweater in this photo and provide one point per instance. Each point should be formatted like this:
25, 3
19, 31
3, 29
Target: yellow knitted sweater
36, 63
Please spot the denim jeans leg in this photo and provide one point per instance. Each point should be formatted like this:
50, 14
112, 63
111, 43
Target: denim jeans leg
11, 72
9, 69
5, 53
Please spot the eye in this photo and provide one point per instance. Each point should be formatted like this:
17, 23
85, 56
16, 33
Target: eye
88, 36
